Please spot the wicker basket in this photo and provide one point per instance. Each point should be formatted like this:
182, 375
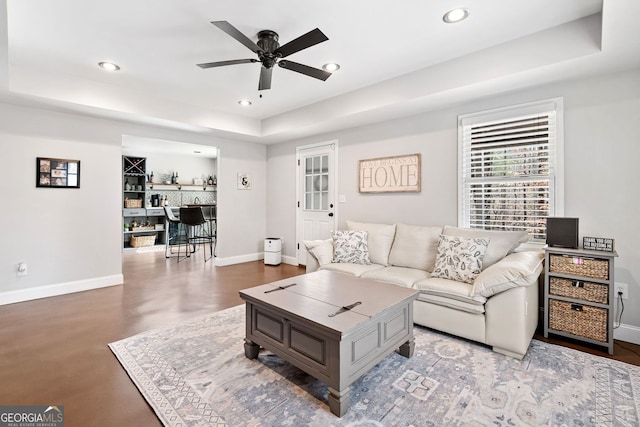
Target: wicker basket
132, 203
578, 319
579, 266
578, 289
143, 241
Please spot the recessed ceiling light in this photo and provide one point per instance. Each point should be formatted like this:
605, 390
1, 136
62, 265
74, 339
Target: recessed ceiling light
109, 66
331, 67
455, 15
197, 151
244, 102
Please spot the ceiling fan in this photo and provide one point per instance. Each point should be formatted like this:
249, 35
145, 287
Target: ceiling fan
271, 53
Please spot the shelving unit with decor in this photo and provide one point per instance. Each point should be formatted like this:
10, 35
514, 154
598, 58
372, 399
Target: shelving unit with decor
150, 223
578, 295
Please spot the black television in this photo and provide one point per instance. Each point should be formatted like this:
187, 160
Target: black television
562, 232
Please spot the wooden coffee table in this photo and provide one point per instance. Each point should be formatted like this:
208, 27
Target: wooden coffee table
333, 326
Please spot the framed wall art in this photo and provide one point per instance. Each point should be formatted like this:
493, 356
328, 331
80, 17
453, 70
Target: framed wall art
390, 174
57, 173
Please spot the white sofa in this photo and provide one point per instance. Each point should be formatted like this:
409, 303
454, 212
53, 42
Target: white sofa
499, 307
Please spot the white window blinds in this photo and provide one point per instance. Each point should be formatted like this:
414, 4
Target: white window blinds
509, 168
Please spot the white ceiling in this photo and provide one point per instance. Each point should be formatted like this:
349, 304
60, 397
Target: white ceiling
397, 58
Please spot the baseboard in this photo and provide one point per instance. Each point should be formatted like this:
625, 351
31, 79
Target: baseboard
221, 262
291, 260
12, 297
251, 257
628, 333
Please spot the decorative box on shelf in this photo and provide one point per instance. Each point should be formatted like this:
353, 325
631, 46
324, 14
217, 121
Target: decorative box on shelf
578, 295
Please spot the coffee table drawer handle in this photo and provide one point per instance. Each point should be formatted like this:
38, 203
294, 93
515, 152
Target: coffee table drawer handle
346, 308
279, 288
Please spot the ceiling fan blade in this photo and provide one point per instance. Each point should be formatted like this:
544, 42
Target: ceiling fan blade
236, 34
305, 69
223, 63
265, 78
312, 38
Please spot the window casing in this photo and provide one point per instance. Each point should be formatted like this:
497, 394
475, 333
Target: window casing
510, 167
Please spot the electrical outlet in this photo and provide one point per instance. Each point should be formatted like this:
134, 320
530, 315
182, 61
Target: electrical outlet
621, 288
22, 269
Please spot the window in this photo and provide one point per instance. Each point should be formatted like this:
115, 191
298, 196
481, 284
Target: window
316, 183
511, 167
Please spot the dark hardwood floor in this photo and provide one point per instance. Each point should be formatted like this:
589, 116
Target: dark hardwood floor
53, 351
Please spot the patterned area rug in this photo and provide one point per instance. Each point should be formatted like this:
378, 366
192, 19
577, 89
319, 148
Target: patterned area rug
195, 374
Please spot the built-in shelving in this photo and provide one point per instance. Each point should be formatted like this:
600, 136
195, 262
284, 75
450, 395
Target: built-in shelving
134, 189
183, 187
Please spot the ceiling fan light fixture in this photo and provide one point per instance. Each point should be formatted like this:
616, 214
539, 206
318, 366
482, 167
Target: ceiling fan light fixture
331, 67
109, 66
455, 15
244, 102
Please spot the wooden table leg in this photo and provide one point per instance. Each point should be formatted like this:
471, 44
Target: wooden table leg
407, 348
339, 401
251, 349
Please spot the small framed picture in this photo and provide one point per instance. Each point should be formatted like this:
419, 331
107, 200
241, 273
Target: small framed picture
57, 173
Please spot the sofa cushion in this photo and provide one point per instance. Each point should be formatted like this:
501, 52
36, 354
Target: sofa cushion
380, 239
501, 243
397, 275
415, 247
459, 258
350, 247
449, 289
517, 269
472, 308
349, 268
322, 250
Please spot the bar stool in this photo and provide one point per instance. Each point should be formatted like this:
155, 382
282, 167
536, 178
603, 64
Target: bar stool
171, 219
196, 232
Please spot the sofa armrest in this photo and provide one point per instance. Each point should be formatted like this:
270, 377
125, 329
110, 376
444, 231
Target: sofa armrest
312, 263
515, 270
319, 253
511, 318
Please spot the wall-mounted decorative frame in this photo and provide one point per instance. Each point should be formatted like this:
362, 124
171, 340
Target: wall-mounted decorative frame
57, 173
244, 181
598, 244
390, 174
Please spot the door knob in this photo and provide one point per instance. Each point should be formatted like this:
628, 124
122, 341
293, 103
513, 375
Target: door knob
330, 213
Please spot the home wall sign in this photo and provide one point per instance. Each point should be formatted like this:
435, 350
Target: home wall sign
390, 174
598, 244
57, 173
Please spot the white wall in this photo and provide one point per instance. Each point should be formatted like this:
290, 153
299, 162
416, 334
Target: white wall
602, 149
71, 238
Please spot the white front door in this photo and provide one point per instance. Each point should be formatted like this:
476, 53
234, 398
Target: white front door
316, 217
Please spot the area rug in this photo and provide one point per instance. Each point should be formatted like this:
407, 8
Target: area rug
195, 374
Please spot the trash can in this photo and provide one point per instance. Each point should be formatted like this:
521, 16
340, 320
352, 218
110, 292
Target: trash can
272, 251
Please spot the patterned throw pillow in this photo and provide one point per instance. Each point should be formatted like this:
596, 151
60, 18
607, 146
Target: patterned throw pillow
459, 258
350, 246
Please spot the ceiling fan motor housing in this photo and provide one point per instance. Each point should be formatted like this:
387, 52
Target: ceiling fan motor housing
268, 42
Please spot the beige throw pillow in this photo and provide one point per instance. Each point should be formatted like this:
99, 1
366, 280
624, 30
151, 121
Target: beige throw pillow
380, 239
501, 244
459, 258
415, 247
